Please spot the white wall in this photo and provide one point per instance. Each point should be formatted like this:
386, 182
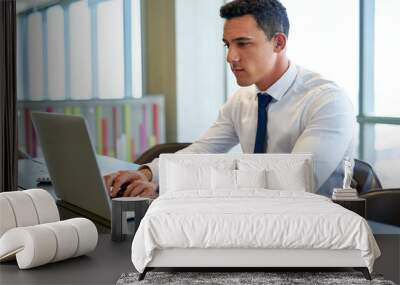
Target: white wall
200, 66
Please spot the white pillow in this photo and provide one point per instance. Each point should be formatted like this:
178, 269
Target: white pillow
251, 178
176, 176
185, 177
227, 179
223, 179
281, 174
293, 180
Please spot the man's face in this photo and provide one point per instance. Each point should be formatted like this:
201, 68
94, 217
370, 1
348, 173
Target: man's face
250, 54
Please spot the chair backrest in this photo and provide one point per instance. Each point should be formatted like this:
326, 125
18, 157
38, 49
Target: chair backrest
155, 151
23, 155
364, 177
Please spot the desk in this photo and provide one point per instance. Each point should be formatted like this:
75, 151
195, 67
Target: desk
356, 205
388, 239
111, 259
30, 169
102, 266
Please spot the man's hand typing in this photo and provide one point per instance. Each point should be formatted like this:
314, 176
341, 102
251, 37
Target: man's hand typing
131, 183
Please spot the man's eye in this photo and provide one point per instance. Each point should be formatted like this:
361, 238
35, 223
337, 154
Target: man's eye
226, 45
243, 44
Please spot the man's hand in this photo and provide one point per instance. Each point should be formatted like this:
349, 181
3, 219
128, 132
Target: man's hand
136, 183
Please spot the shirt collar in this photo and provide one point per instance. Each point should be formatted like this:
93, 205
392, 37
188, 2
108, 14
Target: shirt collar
281, 86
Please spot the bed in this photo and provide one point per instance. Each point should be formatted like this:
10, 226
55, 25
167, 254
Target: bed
247, 211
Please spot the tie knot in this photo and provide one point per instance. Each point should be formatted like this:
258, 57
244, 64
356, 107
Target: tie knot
263, 99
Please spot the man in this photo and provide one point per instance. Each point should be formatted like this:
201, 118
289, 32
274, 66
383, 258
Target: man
281, 108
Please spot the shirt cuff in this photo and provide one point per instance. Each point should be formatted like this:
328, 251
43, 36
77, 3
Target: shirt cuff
154, 169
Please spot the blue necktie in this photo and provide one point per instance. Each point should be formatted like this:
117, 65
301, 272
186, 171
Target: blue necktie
261, 137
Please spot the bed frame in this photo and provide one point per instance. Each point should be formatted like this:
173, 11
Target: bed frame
246, 258
256, 258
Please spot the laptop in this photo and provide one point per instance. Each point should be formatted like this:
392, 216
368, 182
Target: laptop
76, 173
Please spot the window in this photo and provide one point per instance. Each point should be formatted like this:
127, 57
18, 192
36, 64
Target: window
56, 53
110, 49
135, 48
387, 59
80, 51
20, 90
380, 116
386, 154
35, 57
321, 43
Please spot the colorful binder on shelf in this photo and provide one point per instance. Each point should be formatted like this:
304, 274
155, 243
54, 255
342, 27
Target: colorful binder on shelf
120, 128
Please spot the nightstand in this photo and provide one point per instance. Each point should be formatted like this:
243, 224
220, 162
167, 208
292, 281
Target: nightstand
357, 205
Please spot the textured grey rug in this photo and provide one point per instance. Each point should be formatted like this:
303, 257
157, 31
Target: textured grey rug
229, 278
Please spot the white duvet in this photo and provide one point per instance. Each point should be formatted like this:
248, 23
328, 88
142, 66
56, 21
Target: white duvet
253, 218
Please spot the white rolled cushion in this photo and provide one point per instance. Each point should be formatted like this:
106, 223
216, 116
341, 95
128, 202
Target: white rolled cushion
223, 179
185, 177
87, 235
45, 205
7, 218
40, 244
251, 178
23, 208
67, 239
33, 246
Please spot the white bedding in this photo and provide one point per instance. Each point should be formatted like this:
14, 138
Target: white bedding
252, 218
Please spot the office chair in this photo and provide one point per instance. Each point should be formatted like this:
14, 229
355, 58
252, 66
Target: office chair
364, 177
383, 205
23, 155
155, 151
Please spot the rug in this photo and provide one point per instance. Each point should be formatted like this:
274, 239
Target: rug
269, 278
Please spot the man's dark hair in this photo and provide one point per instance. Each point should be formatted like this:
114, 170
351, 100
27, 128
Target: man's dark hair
270, 15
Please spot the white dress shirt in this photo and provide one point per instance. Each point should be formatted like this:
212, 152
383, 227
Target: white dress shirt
307, 114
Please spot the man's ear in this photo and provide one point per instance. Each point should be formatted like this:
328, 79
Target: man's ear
279, 42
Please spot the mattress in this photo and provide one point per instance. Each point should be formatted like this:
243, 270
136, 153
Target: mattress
250, 219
